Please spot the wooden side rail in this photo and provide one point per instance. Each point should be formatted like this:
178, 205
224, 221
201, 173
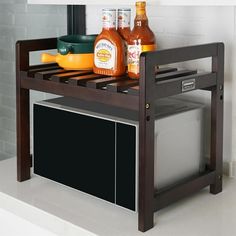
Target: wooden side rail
174, 55
23, 48
87, 94
149, 91
175, 86
165, 197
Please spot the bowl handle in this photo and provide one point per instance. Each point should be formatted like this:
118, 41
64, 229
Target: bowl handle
47, 58
64, 50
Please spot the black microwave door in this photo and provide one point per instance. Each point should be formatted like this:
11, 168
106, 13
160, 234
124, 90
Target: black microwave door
75, 150
125, 166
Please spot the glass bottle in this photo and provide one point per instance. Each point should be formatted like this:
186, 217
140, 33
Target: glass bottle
109, 47
124, 30
141, 39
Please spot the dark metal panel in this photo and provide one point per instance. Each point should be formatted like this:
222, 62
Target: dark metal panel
125, 165
75, 150
76, 19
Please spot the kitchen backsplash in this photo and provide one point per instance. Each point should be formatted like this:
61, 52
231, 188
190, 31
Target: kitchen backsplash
173, 26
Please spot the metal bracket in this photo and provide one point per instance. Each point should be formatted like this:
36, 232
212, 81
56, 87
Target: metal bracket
188, 85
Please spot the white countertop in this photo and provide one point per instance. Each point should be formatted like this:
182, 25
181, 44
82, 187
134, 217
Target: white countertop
131, 2
66, 211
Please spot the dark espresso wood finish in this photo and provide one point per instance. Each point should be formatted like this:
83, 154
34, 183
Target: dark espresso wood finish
65, 76
165, 70
121, 85
22, 102
146, 145
38, 68
134, 95
81, 80
100, 83
22, 118
189, 186
174, 74
48, 74
217, 112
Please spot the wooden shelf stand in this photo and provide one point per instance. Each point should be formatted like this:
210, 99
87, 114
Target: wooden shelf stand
138, 95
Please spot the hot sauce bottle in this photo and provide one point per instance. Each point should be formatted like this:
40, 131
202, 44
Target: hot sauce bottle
141, 39
109, 47
124, 30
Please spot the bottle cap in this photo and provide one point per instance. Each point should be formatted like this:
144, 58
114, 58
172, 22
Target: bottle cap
140, 8
124, 17
109, 18
124, 9
141, 4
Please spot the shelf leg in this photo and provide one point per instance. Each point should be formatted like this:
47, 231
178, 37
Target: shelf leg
216, 141
22, 118
217, 121
23, 135
146, 150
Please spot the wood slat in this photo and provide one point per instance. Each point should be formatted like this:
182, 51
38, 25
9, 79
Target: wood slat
174, 193
165, 70
99, 83
174, 74
134, 90
38, 68
45, 75
209, 81
122, 85
173, 86
96, 95
64, 76
175, 55
81, 80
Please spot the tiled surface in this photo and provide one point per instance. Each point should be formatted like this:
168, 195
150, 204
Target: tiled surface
21, 21
68, 212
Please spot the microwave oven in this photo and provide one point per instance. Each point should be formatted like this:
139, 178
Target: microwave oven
94, 148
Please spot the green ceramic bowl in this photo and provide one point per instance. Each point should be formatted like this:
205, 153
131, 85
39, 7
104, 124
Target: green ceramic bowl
76, 44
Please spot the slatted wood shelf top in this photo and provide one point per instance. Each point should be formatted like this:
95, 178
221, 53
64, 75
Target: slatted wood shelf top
122, 84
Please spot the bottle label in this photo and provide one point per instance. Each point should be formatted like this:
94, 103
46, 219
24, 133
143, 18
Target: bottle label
109, 18
104, 54
124, 18
134, 52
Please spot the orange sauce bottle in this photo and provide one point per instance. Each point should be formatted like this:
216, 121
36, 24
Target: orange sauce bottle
124, 30
109, 47
141, 39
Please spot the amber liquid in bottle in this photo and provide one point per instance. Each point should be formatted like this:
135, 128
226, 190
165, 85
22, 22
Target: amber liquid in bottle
141, 39
124, 30
109, 47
